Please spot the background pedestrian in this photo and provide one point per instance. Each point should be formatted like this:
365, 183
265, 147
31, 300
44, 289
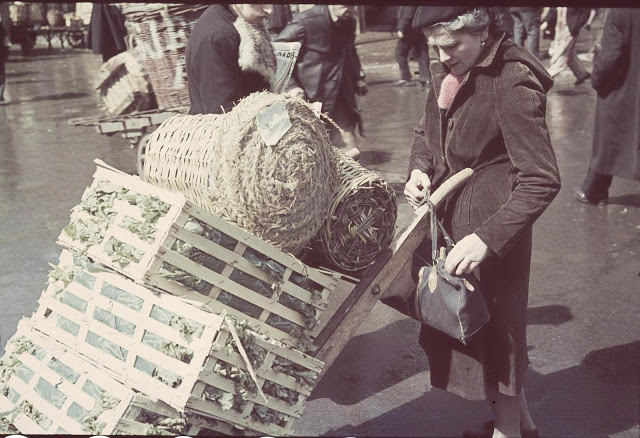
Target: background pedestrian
488, 114
228, 56
616, 137
411, 39
328, 69
280, 16
4, 54
107, 31
569, 21
526, 27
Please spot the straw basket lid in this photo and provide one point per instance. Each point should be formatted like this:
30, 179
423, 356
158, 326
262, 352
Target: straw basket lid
280, 193
361, 220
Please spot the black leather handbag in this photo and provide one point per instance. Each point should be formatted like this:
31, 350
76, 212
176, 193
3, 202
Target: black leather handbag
453, 305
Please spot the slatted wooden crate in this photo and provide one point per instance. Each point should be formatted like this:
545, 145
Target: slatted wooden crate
121, 326
190, 249
49, 390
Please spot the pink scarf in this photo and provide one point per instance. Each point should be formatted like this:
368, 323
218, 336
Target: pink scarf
448, 90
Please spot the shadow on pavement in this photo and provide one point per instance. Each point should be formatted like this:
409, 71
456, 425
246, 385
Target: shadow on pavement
18, 74
629, 200
549, 315
373, 157
348, 383
61, 96
574, 402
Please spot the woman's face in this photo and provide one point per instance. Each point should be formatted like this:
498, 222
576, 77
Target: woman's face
458, 50
253, 14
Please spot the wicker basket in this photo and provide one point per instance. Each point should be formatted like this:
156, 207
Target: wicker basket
279, 193
161, 32
361, 220
123, 86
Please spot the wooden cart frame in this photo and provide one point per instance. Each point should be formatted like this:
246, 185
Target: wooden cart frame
389, 276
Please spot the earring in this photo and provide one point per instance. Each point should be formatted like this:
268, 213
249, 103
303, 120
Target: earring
483, 43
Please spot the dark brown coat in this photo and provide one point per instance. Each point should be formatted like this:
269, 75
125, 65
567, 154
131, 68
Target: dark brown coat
616, 69
496, 126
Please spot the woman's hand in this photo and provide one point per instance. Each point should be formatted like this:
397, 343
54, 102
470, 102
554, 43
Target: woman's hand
417, 187
296, 92
466, 255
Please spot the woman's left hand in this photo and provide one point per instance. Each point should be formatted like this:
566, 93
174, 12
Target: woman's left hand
466, 255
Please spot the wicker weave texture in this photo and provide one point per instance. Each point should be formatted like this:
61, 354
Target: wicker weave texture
279, 193
123, 86
161, 33
361, 220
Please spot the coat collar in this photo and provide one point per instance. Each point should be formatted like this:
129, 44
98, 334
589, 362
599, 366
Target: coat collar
487, 58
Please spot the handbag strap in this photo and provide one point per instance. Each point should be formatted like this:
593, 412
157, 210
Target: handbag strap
434, 229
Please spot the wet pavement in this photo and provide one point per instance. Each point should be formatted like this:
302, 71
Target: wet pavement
583, 327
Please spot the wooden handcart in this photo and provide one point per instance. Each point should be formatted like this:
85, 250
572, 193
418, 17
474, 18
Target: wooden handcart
137, 127
389, 276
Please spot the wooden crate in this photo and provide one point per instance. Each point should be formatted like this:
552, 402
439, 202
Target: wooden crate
50, 390
107, 319
236, 271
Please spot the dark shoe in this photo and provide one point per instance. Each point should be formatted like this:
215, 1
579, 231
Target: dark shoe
583, 78
596, 200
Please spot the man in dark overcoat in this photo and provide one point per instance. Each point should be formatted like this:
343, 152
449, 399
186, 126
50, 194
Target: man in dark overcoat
107, 31
328, 69
228, 57
616, 138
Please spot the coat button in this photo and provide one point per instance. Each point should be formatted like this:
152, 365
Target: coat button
450, 124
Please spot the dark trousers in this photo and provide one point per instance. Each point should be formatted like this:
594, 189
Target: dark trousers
418, 42
596, 184
526, 27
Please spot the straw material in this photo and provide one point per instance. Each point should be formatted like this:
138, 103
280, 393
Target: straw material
361, 219
279, 193
123, 86
161, 32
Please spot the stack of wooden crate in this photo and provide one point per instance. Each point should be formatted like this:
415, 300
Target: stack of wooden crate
162, 318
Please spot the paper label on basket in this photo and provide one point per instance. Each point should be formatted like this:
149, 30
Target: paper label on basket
273, 123
317, 108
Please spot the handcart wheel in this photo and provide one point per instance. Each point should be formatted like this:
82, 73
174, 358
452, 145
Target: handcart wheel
142, 150
75, 39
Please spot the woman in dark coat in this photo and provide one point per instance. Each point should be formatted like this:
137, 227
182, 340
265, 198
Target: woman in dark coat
616, 138
486, 111
228, 57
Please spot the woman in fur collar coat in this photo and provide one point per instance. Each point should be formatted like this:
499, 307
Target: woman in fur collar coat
228, 57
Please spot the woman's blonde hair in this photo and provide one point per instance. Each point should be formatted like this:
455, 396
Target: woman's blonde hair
474, 22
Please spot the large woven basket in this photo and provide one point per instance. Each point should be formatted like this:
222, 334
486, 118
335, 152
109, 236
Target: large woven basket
161, 32
123, 85
280, 193
361, 220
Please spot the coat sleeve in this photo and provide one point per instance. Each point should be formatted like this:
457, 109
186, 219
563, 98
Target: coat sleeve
608, 65
292, 33
421, 156
216, 72
521, 108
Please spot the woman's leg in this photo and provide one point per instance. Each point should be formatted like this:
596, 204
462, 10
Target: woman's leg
506, 410
526, 423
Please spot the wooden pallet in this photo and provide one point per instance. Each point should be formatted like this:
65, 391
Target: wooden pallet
245, 275
106, 318
61, 390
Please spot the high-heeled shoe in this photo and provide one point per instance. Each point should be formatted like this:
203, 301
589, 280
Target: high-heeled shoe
581, 196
